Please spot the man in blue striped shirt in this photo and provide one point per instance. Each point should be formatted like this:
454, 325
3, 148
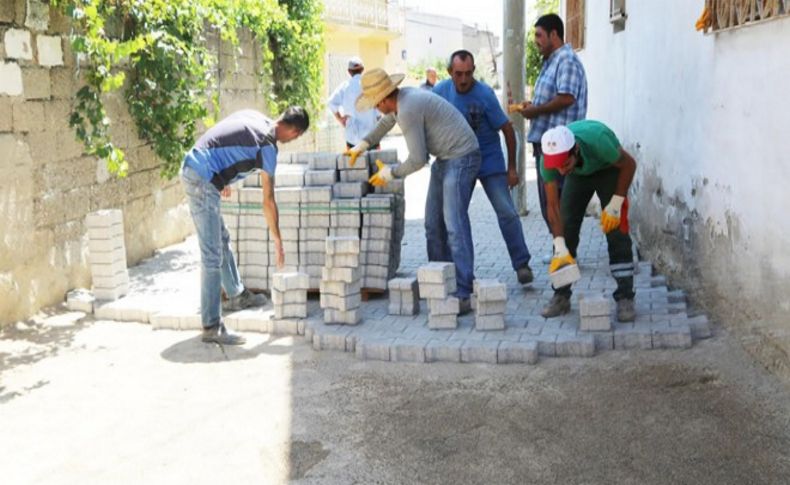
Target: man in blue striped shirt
239, 145
560, 95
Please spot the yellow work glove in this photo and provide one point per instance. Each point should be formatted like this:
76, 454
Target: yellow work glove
562, 257
610, 217
356, 151
383, 176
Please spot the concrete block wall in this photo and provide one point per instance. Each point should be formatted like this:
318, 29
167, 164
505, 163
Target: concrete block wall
49, 184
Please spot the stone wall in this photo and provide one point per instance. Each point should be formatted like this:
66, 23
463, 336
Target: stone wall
48, 183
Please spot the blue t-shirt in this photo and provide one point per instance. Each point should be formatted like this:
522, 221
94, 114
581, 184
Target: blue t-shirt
482, 111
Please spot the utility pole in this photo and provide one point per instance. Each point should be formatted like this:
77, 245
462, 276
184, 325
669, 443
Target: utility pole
514, 79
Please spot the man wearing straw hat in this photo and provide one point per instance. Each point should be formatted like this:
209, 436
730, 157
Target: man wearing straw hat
431, 126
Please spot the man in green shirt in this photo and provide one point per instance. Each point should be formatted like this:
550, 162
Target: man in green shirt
590, 157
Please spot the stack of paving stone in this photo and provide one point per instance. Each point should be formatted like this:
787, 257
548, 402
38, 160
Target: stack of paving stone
595, 312
437, 283
353, 180
377, 243
316, 205
404, 296
491, 297
288, 201
289, 295
340, 281
107, 254
396, 189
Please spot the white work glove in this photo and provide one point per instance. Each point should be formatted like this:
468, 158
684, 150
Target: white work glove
355, 151
562, 257
610, 217
383, 176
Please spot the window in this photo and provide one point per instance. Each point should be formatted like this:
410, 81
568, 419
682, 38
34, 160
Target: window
574, 23
726, 14
617, 15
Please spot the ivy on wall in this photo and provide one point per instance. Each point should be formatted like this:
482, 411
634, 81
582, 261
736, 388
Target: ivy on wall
156, 51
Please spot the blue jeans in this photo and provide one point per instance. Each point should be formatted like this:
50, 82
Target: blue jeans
218, 267
448, 232
498, 194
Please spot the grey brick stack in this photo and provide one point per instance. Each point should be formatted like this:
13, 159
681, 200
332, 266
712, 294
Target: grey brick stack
437, 284
289, 295
353, 180
491, 296
341, 291
404, 296
107, 254
315, 213
377, 243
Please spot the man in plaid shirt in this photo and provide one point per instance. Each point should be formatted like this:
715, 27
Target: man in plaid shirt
560, 95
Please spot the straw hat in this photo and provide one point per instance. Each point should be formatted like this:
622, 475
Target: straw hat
376, 85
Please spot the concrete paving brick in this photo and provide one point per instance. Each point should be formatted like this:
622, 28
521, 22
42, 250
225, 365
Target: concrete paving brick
104, 218
490, 290
490, 307
376, 271
389, 157
315, 220
282, 195
320, 177
80, 300
349, 190
403, 350
378, 220
340, 288
290, 281
435, 273
342, 261
345, 275
633, 339
354, 175
286, 326
108, 270
374, 282
376, 245
288, 297
374, 349
344, 231
671, 337
330, 341
250, 320
489, 322
253, 271
700, 327
253, 258
442, 322
444, 306
603, 341
313, 233
376, 259
344, 163
437, 291
480, 351
336, 245
347, 220
340, 317
343, 303
575, 345
384, 233
517, 352
315, 198
596, 323
322, 161
565, 276
403, 284
443, 351
547, 344
165, 321
190, 322
106, 232
113, 293
296, 310
594, 306
313, 259
290, 175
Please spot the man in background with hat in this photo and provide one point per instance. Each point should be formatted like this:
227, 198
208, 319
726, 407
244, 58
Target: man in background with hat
588, 154
431, 126
341, 104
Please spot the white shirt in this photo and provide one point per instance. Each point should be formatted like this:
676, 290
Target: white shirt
342, 100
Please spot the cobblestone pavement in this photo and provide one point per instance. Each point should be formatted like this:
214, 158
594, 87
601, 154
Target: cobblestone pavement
164, 292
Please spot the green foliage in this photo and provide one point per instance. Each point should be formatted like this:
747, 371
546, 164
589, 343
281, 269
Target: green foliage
157, 50
533, 58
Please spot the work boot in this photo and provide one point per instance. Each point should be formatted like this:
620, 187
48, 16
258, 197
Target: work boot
464, 306
524, 274
218, 334
559, 305
246, 299
625, 310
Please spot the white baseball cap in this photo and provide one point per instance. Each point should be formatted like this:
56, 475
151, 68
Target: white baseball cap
355, 63
556, 144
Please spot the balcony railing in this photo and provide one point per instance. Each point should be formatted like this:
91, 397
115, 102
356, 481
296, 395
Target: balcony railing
373, 14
